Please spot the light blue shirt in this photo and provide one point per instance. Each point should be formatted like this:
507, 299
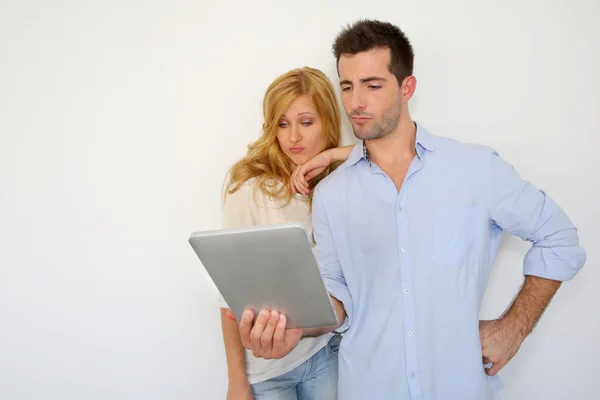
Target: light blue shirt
411, 267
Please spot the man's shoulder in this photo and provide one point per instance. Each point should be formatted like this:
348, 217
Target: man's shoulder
333, 182
446, 142
454, 148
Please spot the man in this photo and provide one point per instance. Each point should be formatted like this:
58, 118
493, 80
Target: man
407, 230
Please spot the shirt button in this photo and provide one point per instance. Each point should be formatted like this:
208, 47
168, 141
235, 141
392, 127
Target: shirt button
410, 333
412, 374
406, 291
404, 249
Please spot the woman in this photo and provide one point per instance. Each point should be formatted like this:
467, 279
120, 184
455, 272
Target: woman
301, 120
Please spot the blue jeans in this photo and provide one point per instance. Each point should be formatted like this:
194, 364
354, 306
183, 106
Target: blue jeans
314, 379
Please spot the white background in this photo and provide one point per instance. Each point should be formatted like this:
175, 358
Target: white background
119, 119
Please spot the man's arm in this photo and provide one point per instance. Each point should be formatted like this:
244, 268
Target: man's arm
326, 254
530, 303
502, 338
517, 207
341, 316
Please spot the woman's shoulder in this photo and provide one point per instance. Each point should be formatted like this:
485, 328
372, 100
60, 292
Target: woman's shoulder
248, 191
263, 186
264, 192
252, 183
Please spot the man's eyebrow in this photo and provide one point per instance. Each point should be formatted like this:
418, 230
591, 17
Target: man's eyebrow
364, 80
372, 78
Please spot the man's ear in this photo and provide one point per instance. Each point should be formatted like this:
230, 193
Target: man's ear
408, 87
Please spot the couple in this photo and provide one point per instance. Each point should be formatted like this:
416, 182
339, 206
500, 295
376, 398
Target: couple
406, 232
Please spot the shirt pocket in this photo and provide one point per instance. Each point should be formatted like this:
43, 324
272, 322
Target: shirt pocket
455, 236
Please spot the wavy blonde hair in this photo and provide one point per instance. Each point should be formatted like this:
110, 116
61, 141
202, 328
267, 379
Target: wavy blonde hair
265, 159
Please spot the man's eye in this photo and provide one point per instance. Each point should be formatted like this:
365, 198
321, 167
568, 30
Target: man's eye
374, 87
346, 89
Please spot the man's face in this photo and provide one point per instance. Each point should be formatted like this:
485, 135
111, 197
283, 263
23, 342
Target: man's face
371, 94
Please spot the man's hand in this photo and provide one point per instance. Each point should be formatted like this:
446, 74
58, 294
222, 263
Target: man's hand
305, 172
501, 338
500, 341
268, 338
239, 391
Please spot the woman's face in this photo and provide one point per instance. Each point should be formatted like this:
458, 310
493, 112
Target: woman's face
299, 132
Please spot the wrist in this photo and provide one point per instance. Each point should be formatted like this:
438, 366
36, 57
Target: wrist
515, 325
339, 153
237, 377
330, 155
239, 381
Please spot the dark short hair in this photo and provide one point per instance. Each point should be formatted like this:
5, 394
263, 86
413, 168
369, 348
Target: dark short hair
365, 35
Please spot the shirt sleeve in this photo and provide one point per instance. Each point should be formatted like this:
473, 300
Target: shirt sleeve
327, 259
238, 212
519, 208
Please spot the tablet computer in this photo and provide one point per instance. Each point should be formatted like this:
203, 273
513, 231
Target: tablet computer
271, 267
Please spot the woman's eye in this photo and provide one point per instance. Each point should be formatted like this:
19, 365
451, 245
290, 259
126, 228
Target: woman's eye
307, 123
283, 125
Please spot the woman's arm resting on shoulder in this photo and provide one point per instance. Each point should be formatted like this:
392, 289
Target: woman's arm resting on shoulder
313, 167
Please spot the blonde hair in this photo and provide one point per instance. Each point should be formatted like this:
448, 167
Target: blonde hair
265, 160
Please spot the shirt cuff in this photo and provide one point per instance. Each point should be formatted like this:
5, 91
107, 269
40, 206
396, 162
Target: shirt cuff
341, 293
556, 263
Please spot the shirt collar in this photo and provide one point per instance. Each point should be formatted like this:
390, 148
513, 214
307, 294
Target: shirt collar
358, 153
424, 142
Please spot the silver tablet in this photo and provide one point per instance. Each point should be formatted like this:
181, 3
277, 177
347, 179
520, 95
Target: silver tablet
271, 267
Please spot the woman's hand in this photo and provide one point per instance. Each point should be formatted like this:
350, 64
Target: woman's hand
305, 172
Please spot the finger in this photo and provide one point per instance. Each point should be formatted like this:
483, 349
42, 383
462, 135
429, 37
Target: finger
231, 316
304, 184
302, 176
257, 330
279, 335
294, 179
245, 327
298, 184
298, 181
266, 339
495, 368
293, 182
301, 185
312, 174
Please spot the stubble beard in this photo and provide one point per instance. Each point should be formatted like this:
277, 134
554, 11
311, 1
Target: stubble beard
382, 126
